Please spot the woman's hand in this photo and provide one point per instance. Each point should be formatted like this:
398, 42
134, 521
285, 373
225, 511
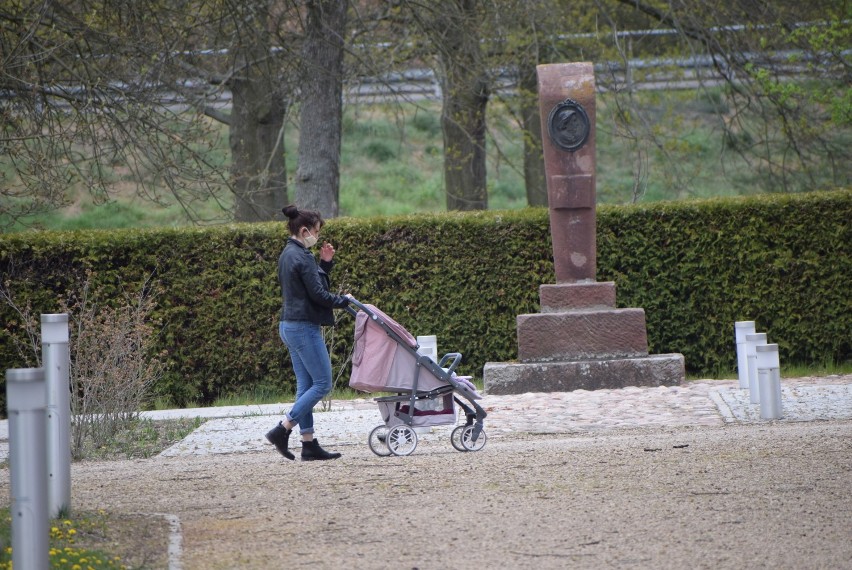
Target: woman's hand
327, 251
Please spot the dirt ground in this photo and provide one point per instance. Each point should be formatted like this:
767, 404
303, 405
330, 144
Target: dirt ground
775, 495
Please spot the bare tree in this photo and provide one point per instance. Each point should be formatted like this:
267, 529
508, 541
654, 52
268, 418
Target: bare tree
787, 74
260, 96
94, 90
525, 31
84, 98
535, 181
454, 29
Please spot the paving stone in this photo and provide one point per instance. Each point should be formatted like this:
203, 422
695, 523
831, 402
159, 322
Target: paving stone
241, 429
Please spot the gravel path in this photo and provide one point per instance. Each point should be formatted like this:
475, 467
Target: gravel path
736, 496
635, 478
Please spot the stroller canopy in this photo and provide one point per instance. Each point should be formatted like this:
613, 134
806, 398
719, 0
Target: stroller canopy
382, 363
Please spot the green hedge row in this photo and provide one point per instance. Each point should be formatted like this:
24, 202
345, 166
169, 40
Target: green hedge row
695, 267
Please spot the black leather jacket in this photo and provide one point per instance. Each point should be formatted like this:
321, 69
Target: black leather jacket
304, 283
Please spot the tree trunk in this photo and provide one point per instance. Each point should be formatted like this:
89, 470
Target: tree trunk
318, 175
258, 108
463, 124
257, 151
465, 92
534, 177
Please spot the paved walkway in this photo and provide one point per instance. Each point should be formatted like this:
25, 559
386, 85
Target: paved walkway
238, 429
696, 403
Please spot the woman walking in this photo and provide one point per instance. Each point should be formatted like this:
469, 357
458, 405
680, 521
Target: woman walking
307, 305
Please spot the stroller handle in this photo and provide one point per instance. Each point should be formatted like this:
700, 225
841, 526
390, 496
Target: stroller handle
357, 303
455, 357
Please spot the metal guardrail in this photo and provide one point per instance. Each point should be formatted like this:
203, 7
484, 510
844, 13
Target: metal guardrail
423, 84
638, 74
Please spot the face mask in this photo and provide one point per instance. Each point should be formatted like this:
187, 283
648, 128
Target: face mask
311, 240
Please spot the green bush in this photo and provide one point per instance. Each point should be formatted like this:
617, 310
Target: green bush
380, 151
695, 267
427, 123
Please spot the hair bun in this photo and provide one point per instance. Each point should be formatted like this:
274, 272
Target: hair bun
290, 211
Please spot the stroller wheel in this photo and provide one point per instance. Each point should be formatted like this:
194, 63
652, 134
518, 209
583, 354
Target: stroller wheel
455, 438
467, 439
378, 441
402, 440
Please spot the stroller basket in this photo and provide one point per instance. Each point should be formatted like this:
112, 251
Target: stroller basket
385, 359
394, 412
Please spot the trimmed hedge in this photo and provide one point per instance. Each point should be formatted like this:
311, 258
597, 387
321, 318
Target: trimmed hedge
695, 267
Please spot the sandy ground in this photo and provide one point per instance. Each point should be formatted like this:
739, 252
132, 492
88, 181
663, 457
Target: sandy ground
774, 495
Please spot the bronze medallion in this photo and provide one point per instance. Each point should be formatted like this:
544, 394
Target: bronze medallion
568, 125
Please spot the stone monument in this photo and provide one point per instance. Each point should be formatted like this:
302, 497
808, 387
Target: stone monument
580, 339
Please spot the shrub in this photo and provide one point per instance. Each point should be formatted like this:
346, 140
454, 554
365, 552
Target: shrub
695, 267
380, 151
427, 123
112, 372
111, 369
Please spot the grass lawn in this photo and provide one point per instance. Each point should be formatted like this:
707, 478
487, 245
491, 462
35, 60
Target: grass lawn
392, 163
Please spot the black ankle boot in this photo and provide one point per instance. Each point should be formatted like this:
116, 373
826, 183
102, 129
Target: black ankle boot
311, 451
279, 436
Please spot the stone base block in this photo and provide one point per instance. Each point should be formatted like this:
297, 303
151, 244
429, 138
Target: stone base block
517, 378
581, 335
570, 296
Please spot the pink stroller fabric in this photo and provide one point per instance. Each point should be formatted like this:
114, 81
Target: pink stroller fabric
380, 363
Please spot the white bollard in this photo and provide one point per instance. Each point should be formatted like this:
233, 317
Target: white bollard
56, 359
27, 402
769, 378
741, 329
752, 340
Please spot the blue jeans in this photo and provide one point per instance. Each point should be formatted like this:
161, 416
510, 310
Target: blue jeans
312, 366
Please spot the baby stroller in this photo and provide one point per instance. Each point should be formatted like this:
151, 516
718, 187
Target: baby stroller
386, 359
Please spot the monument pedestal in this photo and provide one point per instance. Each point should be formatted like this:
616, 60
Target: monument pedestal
518, 378
581, 341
